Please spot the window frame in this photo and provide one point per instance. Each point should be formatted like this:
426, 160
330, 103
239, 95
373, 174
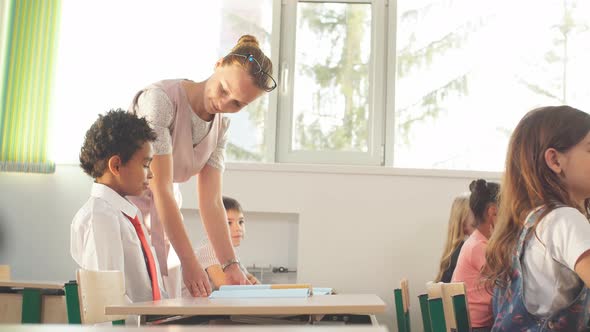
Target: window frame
271, 118
377, 91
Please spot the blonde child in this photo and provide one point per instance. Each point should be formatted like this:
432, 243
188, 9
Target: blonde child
460, 227
538, 259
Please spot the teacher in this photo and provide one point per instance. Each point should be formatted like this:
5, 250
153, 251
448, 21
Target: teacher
191, 138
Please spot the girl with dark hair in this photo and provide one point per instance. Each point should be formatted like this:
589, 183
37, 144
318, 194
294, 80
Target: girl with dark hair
483, 202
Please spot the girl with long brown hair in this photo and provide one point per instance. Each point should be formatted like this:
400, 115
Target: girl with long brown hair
538, 259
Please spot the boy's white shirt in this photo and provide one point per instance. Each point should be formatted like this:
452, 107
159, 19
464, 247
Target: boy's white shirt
103, 238
549, 280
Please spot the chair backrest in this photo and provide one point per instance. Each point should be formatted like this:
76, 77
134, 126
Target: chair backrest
455, 306
435, 307
402, 306
96, 290
461, 313
4, 272
423, 299
405, 286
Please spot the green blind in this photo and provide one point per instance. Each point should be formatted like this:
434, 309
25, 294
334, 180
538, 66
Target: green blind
29, 44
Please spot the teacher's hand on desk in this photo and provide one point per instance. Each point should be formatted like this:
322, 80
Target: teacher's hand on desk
195, 279
253, 279
235, 276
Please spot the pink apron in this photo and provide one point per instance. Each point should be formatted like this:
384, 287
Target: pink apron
188, 159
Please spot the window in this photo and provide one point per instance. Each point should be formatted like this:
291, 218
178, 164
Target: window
467, 71
251, 137
429, 84
111, 49
331, 100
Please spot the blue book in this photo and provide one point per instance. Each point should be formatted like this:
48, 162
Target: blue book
259, 292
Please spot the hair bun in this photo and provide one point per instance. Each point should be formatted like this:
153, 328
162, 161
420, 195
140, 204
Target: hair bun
248, 39
479, 185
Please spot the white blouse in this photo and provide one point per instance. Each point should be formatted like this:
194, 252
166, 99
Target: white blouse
156, 107
550, 255
102, 238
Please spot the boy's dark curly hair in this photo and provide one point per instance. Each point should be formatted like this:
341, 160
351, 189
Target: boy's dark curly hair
116, 133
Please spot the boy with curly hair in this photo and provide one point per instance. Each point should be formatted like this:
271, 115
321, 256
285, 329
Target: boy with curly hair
108, 232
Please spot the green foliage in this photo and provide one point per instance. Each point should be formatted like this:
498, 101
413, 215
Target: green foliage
411, 58
557, 58
429, 107
341, 78
238, 23
241, 154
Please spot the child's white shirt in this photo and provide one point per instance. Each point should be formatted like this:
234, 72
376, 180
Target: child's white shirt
550, 255
206, 256
102, 238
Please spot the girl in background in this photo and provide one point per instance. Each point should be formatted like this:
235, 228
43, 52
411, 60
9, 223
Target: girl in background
460, 227
483, 202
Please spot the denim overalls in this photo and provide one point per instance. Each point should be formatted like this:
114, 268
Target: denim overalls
508, 304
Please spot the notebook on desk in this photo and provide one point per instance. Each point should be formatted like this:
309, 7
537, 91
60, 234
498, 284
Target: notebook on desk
268, 291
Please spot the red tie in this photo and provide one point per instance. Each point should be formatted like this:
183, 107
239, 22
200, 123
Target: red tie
151, 264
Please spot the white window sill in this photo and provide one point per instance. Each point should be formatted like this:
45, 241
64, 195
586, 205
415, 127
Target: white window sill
352, 170
359, 170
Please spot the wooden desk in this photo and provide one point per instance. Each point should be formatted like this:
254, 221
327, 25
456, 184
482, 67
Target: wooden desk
169, 328
363, 304
32, 284
32, 302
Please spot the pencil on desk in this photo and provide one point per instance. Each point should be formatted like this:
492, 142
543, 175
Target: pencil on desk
286, 286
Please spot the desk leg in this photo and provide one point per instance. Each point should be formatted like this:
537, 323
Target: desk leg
374, 320
31, 310
72, 302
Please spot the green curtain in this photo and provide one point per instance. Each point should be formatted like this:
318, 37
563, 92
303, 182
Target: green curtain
28, 46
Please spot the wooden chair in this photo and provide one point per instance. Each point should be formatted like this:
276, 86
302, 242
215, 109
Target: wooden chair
455, 305
423, 299
402, 306
448, 307
4, 272
92, 291
436, 307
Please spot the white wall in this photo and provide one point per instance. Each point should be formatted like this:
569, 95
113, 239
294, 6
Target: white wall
264, 230
360, 229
